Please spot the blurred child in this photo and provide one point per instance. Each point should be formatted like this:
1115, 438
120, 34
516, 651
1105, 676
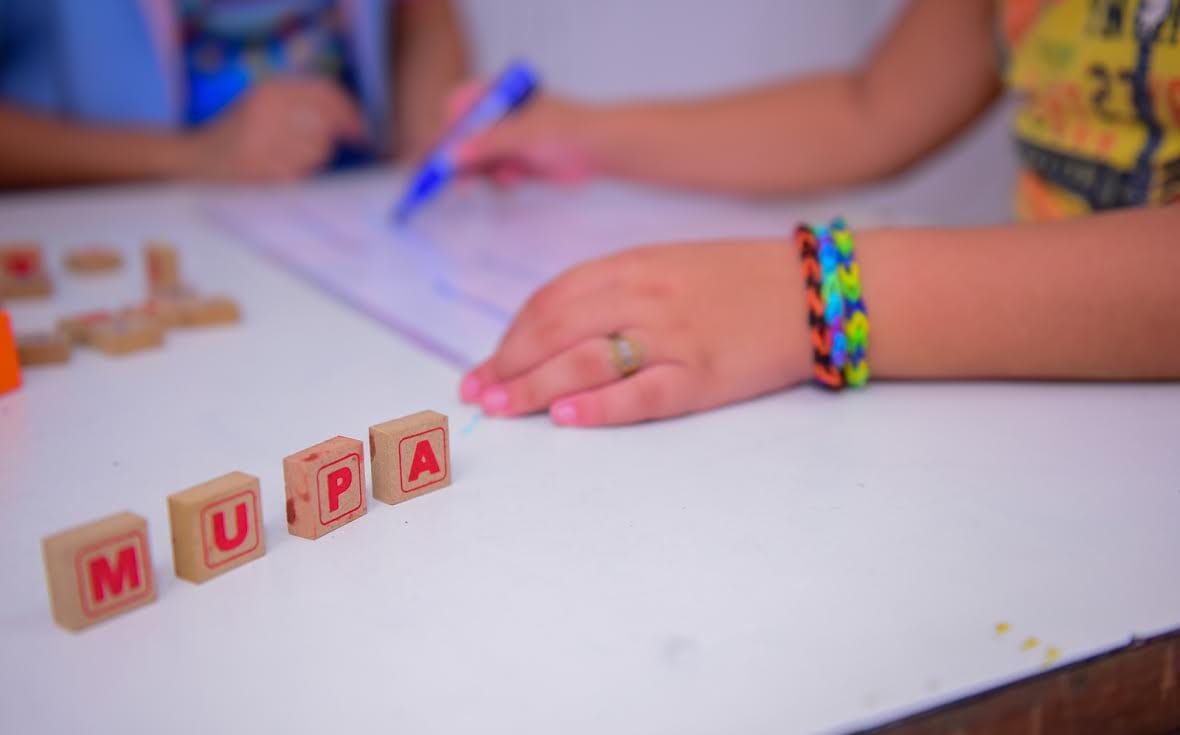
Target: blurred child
257, 90
666, 330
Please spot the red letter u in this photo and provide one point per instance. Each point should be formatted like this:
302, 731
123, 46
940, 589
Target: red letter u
240, 528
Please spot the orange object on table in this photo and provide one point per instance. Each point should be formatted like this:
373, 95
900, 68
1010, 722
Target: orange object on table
9, 364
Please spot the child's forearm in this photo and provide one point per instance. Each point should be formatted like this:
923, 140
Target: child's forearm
37, 150
1095, 298
932, 75
746, 142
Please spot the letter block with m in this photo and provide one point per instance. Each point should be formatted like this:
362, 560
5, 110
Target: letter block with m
216, 526
98, 570
411, 456
325, 487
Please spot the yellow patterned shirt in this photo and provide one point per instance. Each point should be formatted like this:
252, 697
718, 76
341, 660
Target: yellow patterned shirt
1099, 121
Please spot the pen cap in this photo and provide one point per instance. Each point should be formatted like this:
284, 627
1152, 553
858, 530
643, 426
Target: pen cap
517, 83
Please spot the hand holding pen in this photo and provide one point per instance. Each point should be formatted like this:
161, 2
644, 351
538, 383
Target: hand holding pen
548, 139
507, 93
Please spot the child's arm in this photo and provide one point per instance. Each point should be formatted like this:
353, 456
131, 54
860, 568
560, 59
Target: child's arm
1094, 298
430, 58
280, 130
37, 150
930, 78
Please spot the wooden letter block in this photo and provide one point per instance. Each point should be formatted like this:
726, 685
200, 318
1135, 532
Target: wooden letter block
212, 311
9, 362
45, 348
98, 570
124, 333
172, 307
20, 259
325, 487
164, 313
216, 526
75, 327
33, 286
22, 272
162, 265
411, 456
93, 259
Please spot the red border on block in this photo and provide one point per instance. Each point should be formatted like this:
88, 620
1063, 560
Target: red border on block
257, 529
446, 461
149, 580
356, 477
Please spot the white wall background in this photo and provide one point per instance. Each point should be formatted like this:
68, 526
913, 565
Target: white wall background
618, 49
606, 49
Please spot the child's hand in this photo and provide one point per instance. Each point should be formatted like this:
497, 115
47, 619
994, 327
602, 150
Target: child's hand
280, 131
548, 138
715, 322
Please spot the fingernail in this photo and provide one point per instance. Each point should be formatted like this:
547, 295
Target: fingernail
470, 388
564, 413
494, 400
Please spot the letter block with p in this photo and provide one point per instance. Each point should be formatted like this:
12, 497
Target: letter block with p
98, 570
411, 456
216, 526
325, 486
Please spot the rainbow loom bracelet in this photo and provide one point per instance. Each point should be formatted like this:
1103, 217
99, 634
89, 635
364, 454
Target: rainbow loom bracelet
836, 313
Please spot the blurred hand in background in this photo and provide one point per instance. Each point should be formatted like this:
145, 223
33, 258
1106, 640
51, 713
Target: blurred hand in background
282, 130
549, 138
219, 89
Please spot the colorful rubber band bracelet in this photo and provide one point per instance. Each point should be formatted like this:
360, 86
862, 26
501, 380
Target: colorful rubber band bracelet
836, 313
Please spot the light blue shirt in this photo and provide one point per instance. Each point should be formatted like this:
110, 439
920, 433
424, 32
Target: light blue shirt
103, 61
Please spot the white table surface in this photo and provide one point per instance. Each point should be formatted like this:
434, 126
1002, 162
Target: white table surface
800, 562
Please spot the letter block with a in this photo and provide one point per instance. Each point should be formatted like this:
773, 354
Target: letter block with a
216, 526
98, 570
325, 487
411, 456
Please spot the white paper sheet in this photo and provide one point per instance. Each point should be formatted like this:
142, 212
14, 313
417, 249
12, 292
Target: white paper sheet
452, 279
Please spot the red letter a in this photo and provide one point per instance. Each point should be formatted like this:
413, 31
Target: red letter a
424, 460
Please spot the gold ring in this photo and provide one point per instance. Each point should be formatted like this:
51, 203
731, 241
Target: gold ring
626, 354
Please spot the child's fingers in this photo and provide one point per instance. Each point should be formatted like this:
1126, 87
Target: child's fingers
570, 177
309, 154
530, 345
287, 158
585, 366
577, 284
562, 294
656, 392
503, 141
462, 97
474, 382
341, 112
507, 174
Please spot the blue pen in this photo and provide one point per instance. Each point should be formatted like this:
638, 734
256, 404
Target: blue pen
510, 90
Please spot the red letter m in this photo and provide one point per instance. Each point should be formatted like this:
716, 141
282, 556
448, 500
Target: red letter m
103, 578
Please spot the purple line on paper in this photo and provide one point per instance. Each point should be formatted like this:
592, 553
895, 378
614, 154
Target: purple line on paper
448, 291
311, 220
231, 223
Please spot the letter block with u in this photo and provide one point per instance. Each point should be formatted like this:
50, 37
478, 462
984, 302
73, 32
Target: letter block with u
98, 570
216, 526
325, 487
